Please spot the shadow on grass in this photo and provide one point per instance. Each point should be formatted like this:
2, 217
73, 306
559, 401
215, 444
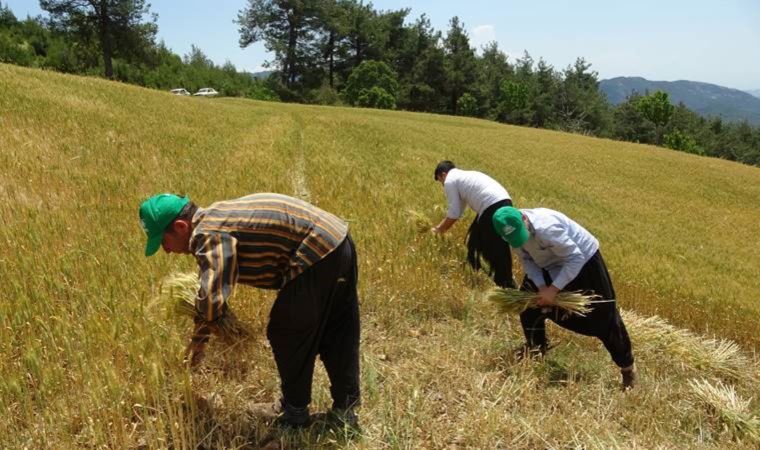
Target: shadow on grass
257, 433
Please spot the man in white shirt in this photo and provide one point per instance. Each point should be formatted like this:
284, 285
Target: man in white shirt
559, 254
484, 195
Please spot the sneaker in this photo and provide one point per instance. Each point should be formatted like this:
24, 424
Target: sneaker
629, 377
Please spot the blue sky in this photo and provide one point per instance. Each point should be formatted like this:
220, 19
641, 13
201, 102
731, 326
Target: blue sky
711, 41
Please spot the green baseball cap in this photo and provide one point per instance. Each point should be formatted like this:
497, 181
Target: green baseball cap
156, 213
508, 223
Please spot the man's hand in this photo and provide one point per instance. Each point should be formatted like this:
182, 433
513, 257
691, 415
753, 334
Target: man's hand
195, 352
444, 226
546, 295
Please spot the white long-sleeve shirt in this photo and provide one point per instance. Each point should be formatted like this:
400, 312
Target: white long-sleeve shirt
470, 188
556, 244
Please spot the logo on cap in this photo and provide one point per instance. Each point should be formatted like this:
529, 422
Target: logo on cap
507, 230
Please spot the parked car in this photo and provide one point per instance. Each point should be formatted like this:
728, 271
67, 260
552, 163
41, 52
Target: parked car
180, 91
207, 92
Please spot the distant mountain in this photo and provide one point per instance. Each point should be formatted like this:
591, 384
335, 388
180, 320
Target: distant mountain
754, 92
262, 75
703, 98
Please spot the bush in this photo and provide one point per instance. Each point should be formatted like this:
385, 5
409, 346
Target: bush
365, 77
376, 97
680, 141
467, 105
15, 52
260, 92
62, 57
513, 105
325, 95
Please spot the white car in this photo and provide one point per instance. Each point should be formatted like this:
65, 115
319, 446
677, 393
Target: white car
180, 91
206, 92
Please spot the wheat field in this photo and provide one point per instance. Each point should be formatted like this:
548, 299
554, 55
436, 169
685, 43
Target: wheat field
90, 359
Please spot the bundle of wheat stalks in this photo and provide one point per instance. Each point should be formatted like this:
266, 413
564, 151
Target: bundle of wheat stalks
720, 356
514, 302
421, 222
180, 289
733, 411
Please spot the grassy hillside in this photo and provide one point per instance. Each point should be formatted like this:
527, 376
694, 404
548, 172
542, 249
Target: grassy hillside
90, 359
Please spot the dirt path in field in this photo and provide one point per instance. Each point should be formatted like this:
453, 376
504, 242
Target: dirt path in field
300, 185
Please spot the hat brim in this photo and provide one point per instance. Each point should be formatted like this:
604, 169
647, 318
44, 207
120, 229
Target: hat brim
154, 243
518, 238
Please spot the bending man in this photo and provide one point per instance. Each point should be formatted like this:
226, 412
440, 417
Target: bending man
559, 254
484, 195
273, 241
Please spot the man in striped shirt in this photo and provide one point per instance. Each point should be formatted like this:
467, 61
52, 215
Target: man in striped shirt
273, 241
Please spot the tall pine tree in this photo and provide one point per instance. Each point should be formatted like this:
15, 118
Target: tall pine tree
286, 27
118, 25
420, 66
493, 67
460, 63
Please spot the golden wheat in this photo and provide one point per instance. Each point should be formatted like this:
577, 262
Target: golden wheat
512, 301
422, 223
180, 289
719, 356
85, 361
732, 410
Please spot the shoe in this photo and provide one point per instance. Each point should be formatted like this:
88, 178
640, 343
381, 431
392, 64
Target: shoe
265, 411
344, 418
343, 422
293, 417
629, 377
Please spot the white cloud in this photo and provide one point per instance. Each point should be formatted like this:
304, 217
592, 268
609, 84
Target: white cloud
481, 35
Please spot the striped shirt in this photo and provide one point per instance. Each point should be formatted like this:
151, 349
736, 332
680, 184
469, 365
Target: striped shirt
263, 240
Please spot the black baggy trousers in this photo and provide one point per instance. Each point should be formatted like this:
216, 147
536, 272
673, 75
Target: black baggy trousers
317, 313
603, 322
482, 241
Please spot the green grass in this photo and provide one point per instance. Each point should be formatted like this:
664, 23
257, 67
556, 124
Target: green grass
89, 360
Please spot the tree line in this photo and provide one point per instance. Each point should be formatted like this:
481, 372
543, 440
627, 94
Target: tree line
347, 52
115, 39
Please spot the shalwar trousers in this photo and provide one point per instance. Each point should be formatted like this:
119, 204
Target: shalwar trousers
317, 313
603, 322
482, 241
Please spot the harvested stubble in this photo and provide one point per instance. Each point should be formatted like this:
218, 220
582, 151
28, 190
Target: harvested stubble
732, 410
181, 289
719, 356
512, 301
421, 222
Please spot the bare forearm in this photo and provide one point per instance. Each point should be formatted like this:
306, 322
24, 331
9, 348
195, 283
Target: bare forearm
444, 225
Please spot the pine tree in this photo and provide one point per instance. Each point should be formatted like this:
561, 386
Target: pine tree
492, 69
118, 25
286, 27
460, 63
420, 66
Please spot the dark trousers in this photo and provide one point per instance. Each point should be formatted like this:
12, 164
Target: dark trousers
317, 313
603, 322
482, 241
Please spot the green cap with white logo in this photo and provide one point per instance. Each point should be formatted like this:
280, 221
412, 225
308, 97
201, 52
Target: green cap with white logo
156, 213
508, 223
